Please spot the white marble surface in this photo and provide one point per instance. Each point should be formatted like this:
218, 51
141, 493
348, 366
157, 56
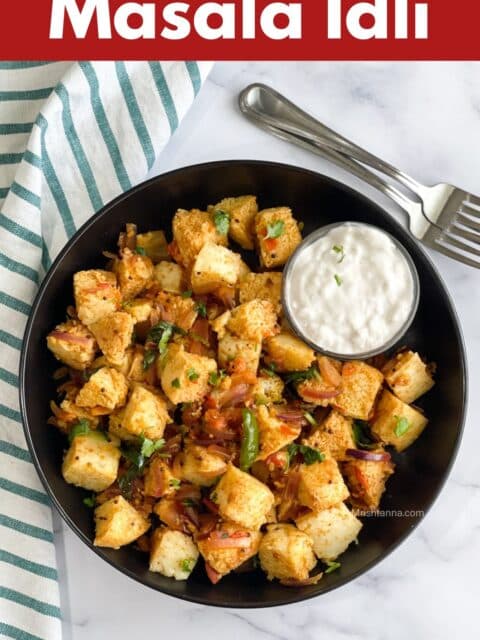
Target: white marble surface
424, 117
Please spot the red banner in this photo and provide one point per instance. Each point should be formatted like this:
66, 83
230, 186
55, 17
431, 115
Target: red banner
240, 30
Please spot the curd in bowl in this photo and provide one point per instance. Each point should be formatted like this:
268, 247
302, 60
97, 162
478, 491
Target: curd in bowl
350, 290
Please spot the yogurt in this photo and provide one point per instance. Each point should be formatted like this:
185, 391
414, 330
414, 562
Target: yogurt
350, 290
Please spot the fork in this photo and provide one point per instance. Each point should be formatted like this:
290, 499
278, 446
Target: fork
442, 217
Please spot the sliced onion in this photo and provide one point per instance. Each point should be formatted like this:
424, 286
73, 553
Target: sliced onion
173, 445
327, 394
226, 295
288, 504
211, 506
191, 515
235, 395
291, 415
208, 522
71, 385
328, 371
291, 488
61, 414
370, 456
188, 492
213, 575
219, 451
69, 337
60, 373
109, 255
101, 286
222, 540
291, 582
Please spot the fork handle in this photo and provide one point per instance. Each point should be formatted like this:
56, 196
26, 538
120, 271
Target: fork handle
272, 125
273, 108
417, 222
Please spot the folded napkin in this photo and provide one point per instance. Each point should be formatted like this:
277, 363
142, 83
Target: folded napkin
72, 138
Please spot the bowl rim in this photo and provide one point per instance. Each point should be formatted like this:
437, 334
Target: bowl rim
217, 165
320, 232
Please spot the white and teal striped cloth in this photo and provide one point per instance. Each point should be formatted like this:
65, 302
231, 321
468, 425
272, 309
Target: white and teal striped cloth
72, 138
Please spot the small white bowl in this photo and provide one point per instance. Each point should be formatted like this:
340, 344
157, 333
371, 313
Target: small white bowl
295, 325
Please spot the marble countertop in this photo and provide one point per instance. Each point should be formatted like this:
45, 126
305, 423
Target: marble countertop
425, 118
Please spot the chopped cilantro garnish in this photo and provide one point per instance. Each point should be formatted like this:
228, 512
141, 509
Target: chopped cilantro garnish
162, 333
338, 248
216, 377
149, 358
141, 251
80, 429
338, 280
149, 447
222, 221
187, 565
176, 384
156, 333
270, 370
402, 426
310, 455
201, 309
361, 435
136, 463
134, 455
187, 294
125, 481
275, 229
174, 483
137, 455
332, 566
192, 375
300, 376
89, 501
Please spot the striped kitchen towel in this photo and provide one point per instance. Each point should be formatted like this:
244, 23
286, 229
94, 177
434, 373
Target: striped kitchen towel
73, 136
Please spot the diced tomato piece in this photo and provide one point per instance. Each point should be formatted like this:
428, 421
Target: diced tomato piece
278, 459
288, 431
211, 402
271, 244
214, 421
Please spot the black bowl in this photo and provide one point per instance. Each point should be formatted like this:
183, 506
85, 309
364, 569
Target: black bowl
315, 200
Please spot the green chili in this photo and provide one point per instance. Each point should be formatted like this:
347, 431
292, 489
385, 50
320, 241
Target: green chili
250, 440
